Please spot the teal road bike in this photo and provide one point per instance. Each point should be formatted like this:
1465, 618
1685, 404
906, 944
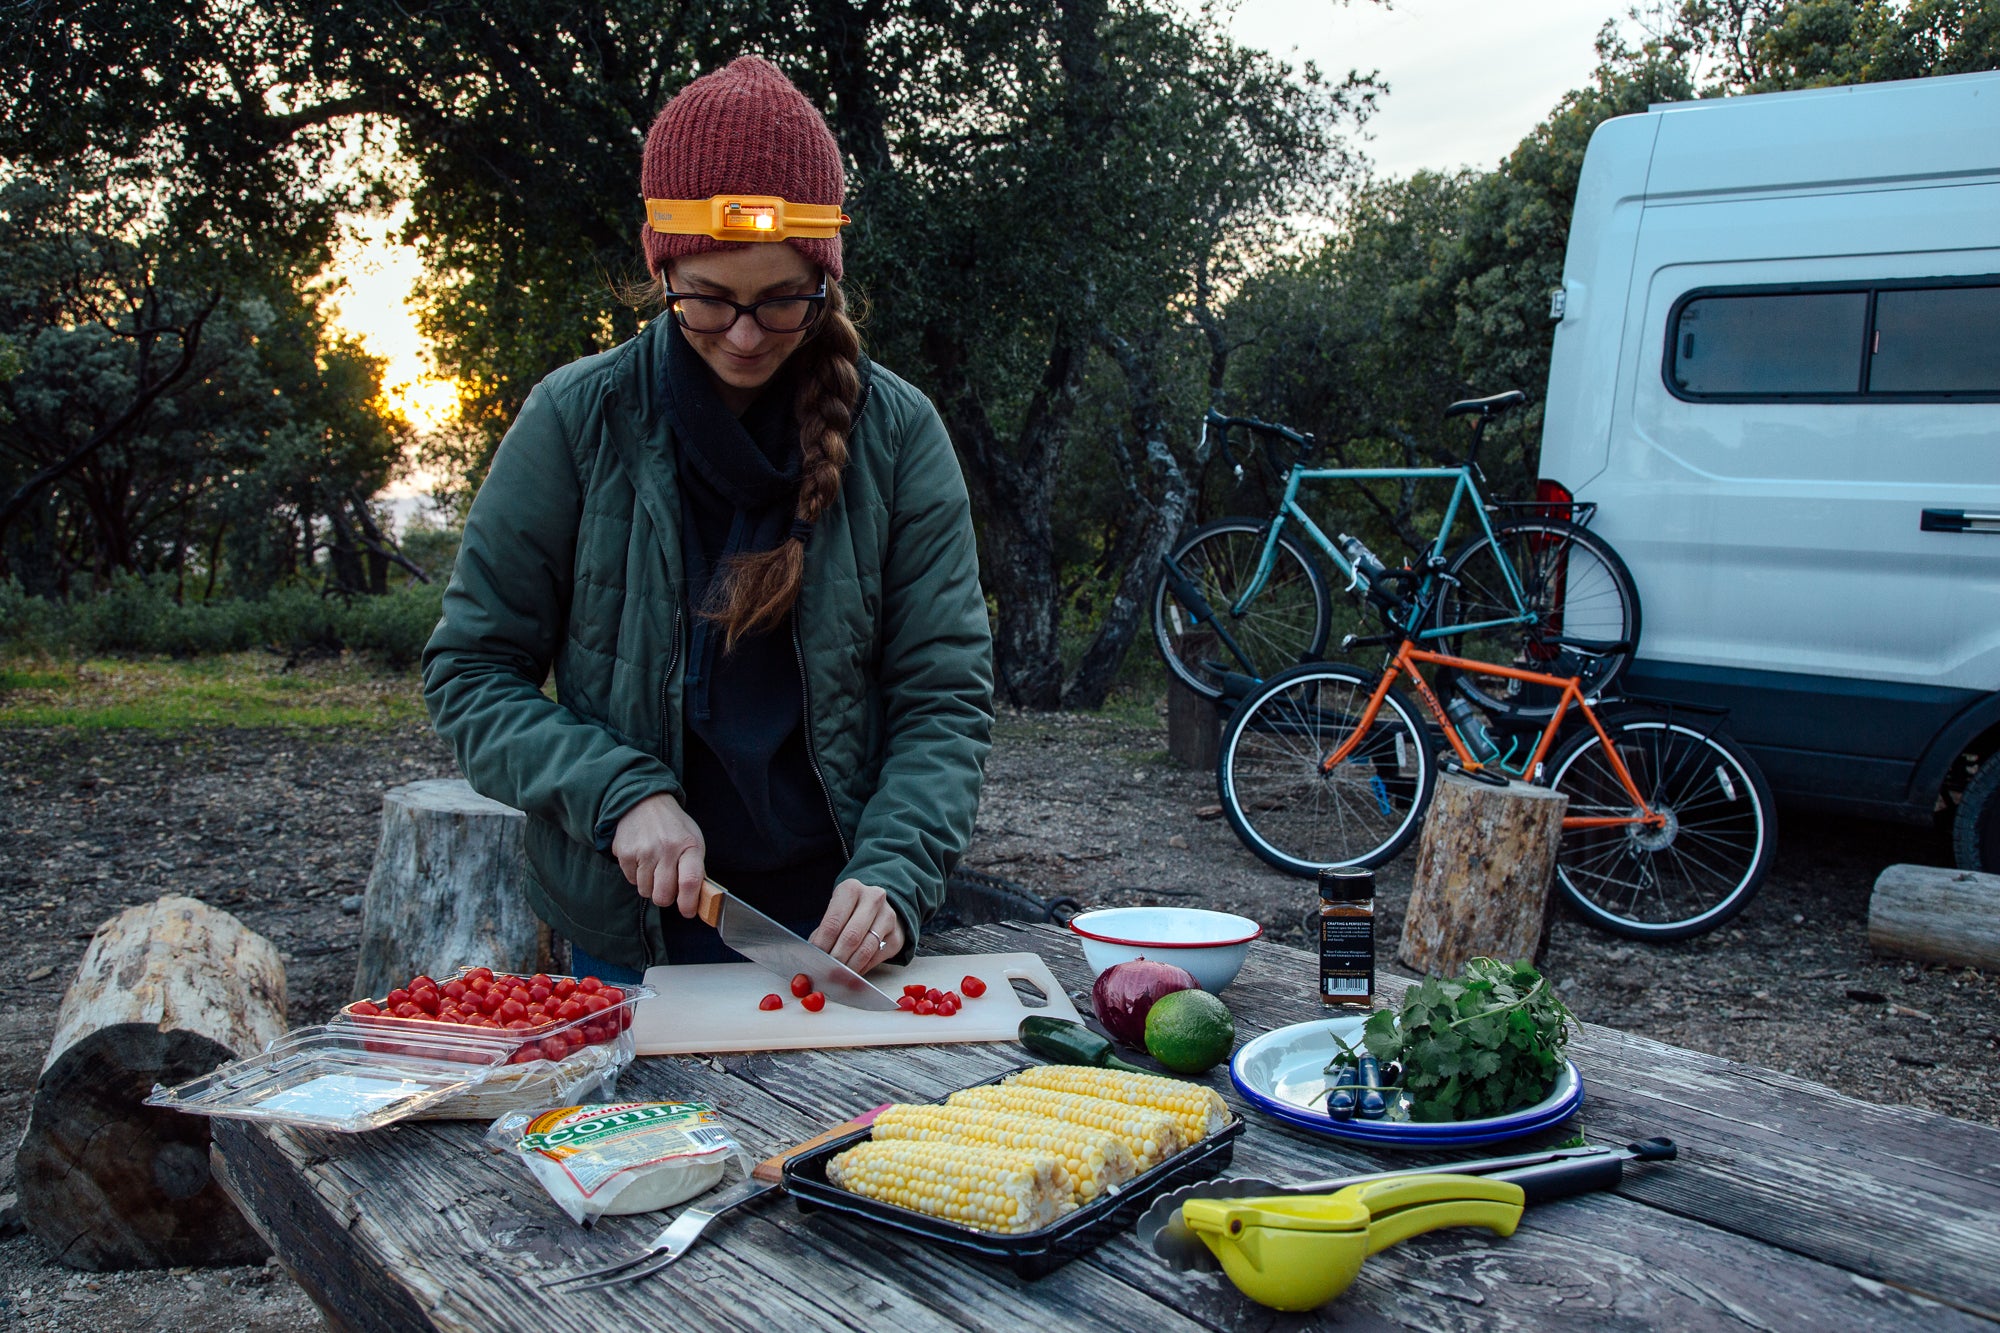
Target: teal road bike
1531, 588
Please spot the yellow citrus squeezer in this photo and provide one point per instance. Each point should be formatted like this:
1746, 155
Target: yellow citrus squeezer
1299, 1251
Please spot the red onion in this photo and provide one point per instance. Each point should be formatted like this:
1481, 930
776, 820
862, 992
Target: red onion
1126, 992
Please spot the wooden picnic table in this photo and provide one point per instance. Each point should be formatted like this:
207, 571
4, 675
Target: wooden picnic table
1792, 1206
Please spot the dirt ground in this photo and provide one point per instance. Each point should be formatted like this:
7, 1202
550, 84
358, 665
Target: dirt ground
279, 827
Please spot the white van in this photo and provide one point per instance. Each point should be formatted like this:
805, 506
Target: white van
1777, 373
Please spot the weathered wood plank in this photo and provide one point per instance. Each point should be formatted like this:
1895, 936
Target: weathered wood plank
1928, 912
1897, 1195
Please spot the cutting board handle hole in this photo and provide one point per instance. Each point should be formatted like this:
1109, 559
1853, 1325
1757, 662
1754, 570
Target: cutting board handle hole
1032, 996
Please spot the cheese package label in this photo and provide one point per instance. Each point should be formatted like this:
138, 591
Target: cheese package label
621, 1157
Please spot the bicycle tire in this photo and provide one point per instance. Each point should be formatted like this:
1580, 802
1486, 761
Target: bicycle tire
1285, 626
1577, 585
1301, 820
1672, 883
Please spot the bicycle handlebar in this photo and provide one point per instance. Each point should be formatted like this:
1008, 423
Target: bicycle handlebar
1302, 441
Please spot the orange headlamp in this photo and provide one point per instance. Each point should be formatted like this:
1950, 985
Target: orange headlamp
744, 217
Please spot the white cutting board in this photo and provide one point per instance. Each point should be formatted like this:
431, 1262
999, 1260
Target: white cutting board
712, 1007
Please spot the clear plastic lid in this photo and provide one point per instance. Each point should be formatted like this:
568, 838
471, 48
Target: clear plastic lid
597, 1026
341, 1077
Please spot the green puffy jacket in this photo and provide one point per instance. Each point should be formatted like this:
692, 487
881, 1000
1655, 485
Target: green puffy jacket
571, 563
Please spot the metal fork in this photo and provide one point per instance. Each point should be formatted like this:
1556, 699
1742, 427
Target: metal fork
670, 1244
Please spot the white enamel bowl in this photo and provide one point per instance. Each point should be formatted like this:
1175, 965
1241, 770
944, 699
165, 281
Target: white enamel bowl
1211, 946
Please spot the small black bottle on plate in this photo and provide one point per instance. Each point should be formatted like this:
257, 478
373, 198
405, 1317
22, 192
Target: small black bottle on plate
1347, 938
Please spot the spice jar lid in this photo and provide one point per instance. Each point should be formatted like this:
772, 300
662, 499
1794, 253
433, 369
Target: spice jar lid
1346, 884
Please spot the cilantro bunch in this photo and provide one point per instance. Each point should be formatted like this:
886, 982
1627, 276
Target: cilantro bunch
1486, 1043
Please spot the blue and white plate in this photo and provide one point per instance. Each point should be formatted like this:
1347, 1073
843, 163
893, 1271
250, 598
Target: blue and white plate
1281, 1072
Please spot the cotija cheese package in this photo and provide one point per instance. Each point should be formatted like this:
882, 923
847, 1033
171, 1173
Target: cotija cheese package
621, 1157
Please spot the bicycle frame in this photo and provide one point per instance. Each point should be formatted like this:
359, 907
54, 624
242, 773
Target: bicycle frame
1405, 663
1463, 487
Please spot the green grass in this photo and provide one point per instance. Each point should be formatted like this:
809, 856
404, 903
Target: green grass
235, 689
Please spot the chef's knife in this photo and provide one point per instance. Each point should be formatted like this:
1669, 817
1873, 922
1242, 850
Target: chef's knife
784, 954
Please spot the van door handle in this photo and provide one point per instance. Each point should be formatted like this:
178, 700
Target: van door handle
1958, 520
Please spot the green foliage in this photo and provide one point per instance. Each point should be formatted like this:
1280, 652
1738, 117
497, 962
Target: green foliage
1488, 1042
138, 616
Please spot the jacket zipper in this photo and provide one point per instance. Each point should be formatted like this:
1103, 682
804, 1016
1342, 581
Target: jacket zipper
667, 682
812, 754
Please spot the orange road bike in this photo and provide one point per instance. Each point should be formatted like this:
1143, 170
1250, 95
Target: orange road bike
1669, 830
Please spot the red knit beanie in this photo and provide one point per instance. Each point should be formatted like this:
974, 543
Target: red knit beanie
745, 129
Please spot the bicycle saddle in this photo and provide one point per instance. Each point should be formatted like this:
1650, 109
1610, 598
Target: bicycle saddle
1491, 406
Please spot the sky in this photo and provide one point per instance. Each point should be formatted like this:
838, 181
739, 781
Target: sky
1467, 79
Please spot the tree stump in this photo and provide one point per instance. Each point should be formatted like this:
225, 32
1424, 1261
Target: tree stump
1485, 866
166, 992
1939, 916
445, 891
1194, 726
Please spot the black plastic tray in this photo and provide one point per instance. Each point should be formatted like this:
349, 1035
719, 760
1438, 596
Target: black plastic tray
1031, 1254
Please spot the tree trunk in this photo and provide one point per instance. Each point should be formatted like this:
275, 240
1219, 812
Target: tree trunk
445, 891
166, 992
1937, 915
1194, 727
1485, 865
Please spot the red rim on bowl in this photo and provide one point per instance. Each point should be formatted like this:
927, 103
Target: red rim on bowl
1163, 944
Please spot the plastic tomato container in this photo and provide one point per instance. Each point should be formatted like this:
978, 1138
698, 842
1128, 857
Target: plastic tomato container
608, 1027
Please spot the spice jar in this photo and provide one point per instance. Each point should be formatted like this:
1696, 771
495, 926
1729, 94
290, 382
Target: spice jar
1347, 938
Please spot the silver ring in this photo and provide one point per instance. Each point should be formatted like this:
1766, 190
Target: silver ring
880, 943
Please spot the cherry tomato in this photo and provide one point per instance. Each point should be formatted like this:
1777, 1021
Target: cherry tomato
973, 987
814, 1002
907, 1004
590, 985
512, 1010
407, 1010
772, 1001
947, 1008
517, 1025
454, 990
802, 985
396, 997
479, 985
541, 979
421, 980
916, 992
569, 1011
612, 995
489, 1003
924, 1006
426, 1000
532, 1051
934, 995
479, 974
595, 1003
364, 1009
565, 988
537, 993
521, 993
557, 1047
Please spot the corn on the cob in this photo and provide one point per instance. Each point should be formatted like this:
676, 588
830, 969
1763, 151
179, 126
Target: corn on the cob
1150, 1135
1093, 1159
1196, 1111
990, 1189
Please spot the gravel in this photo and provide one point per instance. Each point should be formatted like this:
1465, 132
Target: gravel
279, 827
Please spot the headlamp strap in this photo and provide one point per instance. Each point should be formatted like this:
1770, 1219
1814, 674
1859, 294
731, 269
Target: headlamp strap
745, 217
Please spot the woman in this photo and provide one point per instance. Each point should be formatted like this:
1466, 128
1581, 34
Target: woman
747, 556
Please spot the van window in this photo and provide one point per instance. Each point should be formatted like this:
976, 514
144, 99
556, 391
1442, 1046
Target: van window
1770, 344
1936, 340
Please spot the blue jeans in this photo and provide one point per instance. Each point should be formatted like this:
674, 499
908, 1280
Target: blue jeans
582, 964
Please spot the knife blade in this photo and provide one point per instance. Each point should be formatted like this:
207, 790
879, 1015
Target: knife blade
783, 953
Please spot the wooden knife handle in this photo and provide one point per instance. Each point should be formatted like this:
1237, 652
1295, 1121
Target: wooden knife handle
772, 1168
710, 910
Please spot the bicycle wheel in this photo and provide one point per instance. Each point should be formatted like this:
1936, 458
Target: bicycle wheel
1300, 819
1581, 595
1687, 877
1286, 625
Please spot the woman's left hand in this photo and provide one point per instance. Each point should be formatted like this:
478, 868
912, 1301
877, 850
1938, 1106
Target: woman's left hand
860, 927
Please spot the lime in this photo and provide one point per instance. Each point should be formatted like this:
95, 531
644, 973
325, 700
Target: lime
1190, 1031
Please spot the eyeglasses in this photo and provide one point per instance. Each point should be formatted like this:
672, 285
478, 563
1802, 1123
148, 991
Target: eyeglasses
778, 314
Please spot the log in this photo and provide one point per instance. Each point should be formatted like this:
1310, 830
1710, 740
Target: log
1485, 867
1194, 726
1936, 915
165, 993
445, 890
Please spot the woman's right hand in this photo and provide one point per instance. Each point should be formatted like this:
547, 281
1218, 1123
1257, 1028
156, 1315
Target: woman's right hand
662, 852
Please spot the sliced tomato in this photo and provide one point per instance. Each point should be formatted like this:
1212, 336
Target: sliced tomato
771, 1001
813, 1001
973, 987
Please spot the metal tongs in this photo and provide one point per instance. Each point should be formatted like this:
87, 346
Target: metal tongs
671, 1244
